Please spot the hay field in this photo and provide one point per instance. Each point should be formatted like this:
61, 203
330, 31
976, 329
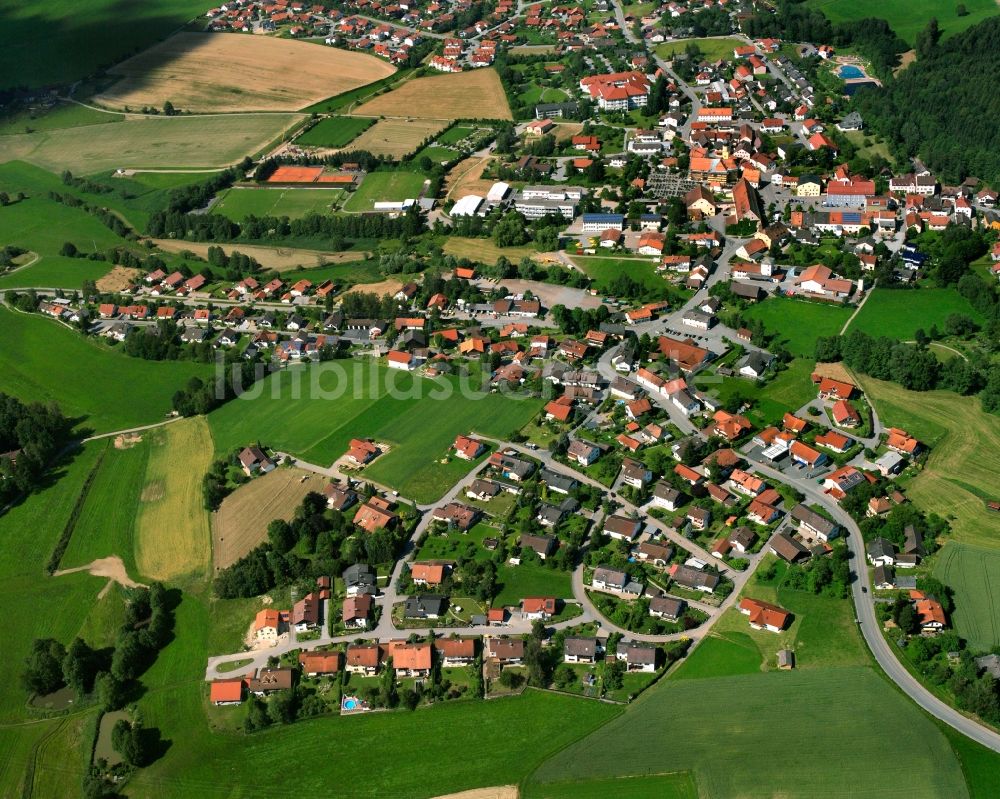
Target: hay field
241, 523
396, 138
172, 535
214, 73
477, 95
962, 469
281, 259
466, 177
149, 142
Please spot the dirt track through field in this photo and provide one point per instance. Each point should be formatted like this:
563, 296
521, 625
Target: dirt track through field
111, 567
223, 72
497, 792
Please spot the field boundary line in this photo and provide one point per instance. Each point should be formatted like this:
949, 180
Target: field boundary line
62, 544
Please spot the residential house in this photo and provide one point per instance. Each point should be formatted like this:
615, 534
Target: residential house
577, 649
764, 615
357, 609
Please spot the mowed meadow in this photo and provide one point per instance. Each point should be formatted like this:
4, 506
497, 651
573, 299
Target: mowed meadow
314, 412
100, 388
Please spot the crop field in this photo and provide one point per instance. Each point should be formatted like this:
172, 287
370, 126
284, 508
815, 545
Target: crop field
102, 389
80, 37
961, 472
205, 72
314, 413
799, 323
192, 142
980, 765
467, 751
396, 138
477, 94
466, 177
711, 49
172, 533
484, 251
334, 132
281, 259
907, 17
898, 314
974, 574
241, 522
238, 204
531, 579
385, 187
787, 720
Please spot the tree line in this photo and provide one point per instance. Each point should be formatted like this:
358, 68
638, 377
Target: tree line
31, 435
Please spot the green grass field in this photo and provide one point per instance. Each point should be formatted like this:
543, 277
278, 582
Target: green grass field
788, 391
351, 399
719, 656
61, 115
528, 579
238, 204
335, 131
80, 37
960, 474
105, 390
438, 155
898, 314
767, 735
55, 272
106, 524
385, 187
974, 574
908, 17
455, 135
169, 142
980, 765
711, 49
659, 786
798, 323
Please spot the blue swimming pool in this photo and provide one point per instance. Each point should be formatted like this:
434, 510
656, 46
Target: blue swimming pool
350, 704
848, 72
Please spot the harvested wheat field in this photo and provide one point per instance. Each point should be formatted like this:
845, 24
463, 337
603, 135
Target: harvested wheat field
466, 177
241, 523
396, 138
172, 532
118, 279
385, 287
216, 72
281, 259
464, 95
835, 371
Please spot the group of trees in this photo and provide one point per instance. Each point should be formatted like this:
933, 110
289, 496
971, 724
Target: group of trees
317, 541
31, 435
913, 366
958, 138
108, 673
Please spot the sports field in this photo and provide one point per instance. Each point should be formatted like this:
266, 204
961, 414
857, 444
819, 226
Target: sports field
385, 187
334, 132
241, 522
314, 413
767, 735
898, 314
396, 138
171, 142
908, 17
711, 49
172, 538
80, 37
239, 203
799, 323
477, 94
974, 573
206, 72
103, 389
961, 472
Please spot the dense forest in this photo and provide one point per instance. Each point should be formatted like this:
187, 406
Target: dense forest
941, 107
